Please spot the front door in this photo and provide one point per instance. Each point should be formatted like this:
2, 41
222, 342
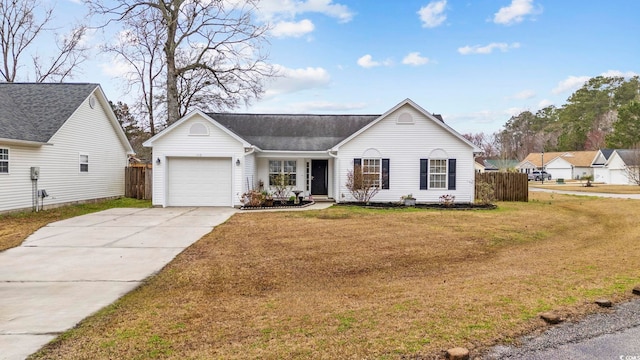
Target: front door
319, 177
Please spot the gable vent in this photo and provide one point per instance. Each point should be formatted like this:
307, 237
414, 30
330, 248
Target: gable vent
199, 129
405, 118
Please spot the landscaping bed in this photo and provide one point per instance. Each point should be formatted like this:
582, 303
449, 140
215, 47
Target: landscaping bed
278, 205
392, 205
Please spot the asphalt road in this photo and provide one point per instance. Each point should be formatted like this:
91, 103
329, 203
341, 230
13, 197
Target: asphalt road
613, 335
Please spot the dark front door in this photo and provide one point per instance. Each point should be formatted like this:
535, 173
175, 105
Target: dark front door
319, 177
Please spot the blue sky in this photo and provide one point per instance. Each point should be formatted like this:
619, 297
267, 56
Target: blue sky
475, 62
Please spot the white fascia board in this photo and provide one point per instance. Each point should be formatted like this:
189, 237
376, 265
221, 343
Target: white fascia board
476, 150
149, 143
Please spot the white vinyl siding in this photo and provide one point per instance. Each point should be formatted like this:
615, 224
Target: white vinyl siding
404, 146
4, 160
179, 142
88, 131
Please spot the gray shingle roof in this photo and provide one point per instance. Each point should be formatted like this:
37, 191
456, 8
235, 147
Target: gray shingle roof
291, 132
631, 157
35, 111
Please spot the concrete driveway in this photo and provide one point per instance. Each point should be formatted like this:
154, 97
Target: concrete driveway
70, 269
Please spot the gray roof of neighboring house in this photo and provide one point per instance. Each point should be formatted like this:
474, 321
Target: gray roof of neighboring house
631, 157
35, 111
291, 132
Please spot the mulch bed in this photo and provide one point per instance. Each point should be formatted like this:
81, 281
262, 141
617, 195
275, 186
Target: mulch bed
392, 205
277, 205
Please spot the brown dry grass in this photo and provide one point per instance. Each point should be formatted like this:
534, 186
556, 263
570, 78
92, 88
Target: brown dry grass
16, 227
599, 188
350, 283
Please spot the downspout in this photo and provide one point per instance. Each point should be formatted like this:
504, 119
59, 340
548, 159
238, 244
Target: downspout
336, 176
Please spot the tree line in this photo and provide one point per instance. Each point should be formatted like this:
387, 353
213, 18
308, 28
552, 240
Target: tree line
603, 113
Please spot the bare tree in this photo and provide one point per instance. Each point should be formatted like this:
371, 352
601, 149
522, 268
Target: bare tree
139, 48
212, 49
19, 29
631, 158
362, 187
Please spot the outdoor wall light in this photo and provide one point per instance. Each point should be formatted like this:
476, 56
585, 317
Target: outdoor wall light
238, 162
158, 161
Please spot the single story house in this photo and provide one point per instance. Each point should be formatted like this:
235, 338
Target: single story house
59, 143
561, 165
210, 159
618, 167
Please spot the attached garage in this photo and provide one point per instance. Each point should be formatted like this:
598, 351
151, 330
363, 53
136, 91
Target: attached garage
196, 181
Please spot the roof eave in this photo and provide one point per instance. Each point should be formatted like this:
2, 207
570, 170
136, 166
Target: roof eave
23, 142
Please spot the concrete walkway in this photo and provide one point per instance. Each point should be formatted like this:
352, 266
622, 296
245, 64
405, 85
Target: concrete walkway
70, 269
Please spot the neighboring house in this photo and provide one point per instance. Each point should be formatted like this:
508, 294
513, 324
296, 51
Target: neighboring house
615, 166
599, 165
66, 131
479, 165
561, 165
212, 159
499, 165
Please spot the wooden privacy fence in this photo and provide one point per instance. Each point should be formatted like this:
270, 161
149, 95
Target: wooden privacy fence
506, 186
138, 182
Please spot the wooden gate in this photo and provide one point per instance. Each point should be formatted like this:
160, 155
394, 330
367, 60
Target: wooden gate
138, 182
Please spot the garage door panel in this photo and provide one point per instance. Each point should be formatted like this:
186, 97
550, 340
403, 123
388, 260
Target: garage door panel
199, 182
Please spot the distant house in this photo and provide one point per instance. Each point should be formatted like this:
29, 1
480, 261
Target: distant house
615, 166
212, 159
561, 165
499, 165
61, 138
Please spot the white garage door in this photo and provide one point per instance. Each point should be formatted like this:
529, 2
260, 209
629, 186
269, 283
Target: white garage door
199, 182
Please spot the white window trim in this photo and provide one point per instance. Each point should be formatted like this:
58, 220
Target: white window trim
80, 163
378, 183
8, 161
446, 175
295, 177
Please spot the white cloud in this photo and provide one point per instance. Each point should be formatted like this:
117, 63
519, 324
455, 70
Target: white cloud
487, 49
415, 59
524, 95
433, 15
573, 83
367, 62
515, 12
292, 29
570, 84
544, 103
271, 9
513, 111
618, 73
325, 106
294, 80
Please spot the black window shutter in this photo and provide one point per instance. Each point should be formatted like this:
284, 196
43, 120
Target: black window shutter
357, 172
424, 172
385, 173
452, 174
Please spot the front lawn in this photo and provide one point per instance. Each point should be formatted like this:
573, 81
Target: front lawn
16, 227
352, 283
